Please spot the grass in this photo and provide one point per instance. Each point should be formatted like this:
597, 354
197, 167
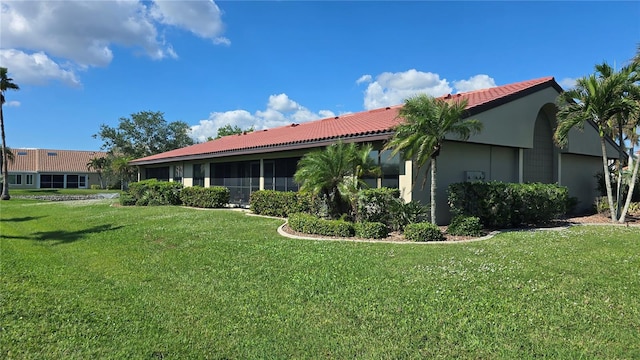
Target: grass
23, 192
86, 280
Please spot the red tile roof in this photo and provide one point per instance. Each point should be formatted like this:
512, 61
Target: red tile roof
44, 160
368, 125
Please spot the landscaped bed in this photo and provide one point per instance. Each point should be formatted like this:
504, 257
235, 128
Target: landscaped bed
88, 280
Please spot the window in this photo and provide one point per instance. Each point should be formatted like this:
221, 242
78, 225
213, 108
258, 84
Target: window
82, 181
52, 154
22, 153
29, 178
198, 175
15, 179
177, 173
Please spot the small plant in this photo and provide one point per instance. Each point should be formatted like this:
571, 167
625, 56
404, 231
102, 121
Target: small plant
465, 226
423, 231
371, 230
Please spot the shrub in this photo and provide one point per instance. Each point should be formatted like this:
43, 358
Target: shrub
403, 214
279, 203
376, 205
500, 204
371, 230
126, 199
310, 224
95, 187
154, 192
201, 197
465, 226
423, 231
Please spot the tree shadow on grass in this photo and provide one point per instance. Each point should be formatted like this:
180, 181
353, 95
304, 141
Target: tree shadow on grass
23, 219
65, 237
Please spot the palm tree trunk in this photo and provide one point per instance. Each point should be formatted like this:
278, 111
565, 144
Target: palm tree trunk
623, 214
433, 190
607, 180
5, 163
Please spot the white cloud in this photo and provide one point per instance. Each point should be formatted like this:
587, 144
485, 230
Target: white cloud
364, 79
567, 83
83, 32
281, 110
393, 88
202, 18
12, 103
476, 82
35, 68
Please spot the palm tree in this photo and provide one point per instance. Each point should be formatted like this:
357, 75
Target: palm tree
121, 168
601, 99
426, 123
98, 164
328, 172
6, 83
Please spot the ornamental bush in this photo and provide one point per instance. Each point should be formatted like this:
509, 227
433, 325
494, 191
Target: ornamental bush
371, 230
376, 205
423, 231
280, 203
154, 192
310, 224
505, 205
465, 226
201, 197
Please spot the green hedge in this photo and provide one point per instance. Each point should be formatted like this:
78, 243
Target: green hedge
423, 231
371, 230
505, 205
154, 192
279, 203
465, 226
201, 197
310, 224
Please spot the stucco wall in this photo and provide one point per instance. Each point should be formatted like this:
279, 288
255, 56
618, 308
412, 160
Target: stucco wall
578, 173
456, 159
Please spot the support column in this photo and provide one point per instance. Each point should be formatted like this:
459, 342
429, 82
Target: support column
520, 165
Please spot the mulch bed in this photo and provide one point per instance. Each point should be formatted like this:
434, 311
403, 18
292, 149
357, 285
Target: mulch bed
631, 219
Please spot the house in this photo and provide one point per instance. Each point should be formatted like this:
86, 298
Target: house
516, 145
52, 169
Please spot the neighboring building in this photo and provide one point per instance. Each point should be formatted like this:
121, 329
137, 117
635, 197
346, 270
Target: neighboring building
52, 169
516, 145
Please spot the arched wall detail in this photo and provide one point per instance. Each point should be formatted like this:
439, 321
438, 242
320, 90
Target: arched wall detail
541, 161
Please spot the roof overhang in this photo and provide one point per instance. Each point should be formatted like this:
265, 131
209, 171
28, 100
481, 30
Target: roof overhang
269, 149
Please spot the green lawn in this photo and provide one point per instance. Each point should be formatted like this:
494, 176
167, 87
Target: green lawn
83, 280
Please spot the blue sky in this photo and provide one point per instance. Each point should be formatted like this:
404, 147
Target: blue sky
81, 64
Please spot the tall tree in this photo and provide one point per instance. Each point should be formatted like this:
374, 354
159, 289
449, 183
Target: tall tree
633, 124
143, 134
603, 99
6, 83
232, 130
426, 123
327, 172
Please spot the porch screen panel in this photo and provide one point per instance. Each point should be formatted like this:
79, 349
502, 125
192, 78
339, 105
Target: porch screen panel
72, 181
285, 168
